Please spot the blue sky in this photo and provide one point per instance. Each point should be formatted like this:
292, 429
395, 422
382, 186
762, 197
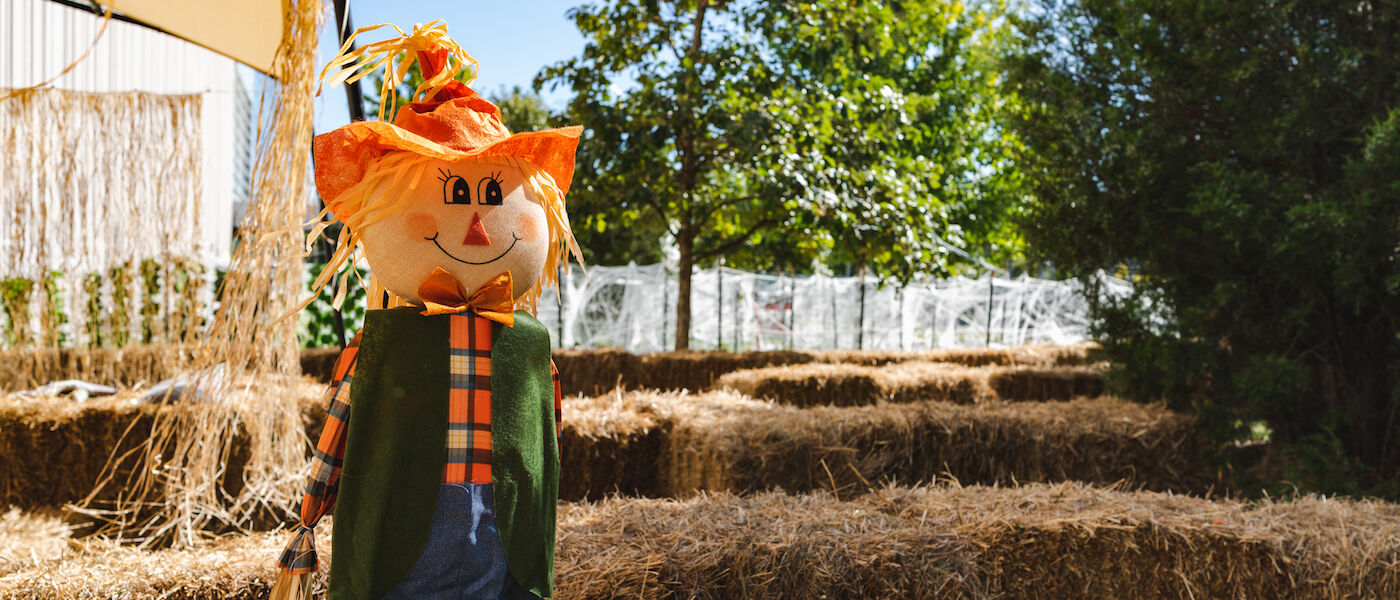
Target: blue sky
511, 40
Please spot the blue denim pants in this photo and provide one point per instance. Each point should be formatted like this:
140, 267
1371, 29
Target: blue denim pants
462, 559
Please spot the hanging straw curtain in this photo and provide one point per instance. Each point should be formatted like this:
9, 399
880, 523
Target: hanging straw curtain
241, 410
95, 188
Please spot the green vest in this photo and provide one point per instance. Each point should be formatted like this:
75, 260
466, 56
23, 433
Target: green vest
397, 443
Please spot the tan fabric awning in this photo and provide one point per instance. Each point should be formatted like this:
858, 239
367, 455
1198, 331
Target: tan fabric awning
247, 31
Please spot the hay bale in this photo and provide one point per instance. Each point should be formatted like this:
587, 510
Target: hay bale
1044, 355
319, 363
594, 372
855, 385
723, 441
37, 436
55, 449
1065, 541
696, 371
609, 445
1046, 383
130, 366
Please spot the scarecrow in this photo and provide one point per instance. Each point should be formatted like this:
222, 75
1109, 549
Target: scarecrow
440, 452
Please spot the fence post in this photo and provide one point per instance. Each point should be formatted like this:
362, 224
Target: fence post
665, 304
559, 300
835, 322
860, 325
792, 311
991, 295
899, 305
719, 303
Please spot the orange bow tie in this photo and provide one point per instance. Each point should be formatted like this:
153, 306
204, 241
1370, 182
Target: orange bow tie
441, 294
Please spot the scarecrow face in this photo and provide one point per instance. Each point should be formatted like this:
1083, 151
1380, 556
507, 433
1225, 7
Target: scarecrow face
474, 219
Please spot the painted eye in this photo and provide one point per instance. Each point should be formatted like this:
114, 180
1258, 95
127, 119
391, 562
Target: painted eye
491, 194
455, 190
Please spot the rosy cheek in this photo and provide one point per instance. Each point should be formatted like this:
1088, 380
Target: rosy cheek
527, 227
422, 225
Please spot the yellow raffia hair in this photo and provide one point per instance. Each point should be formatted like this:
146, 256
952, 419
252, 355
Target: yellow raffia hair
395, 56
361, 205
365, 204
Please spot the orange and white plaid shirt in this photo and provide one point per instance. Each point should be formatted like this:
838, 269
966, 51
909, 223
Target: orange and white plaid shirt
468, 457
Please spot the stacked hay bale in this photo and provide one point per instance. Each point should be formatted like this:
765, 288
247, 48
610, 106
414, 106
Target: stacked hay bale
852, 480
1030, 541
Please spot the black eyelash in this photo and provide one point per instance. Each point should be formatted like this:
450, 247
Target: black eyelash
444, 175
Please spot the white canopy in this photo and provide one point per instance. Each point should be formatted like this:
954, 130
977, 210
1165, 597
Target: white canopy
247, 31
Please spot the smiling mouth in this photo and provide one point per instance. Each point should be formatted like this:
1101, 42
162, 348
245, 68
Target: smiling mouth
468, 262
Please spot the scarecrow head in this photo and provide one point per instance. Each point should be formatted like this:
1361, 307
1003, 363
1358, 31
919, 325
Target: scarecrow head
442, 198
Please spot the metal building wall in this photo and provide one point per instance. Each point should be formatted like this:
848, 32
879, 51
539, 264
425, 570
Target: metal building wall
38, 38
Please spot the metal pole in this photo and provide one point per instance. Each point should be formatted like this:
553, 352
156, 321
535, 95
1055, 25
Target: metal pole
665, 305
559, 301
991, 294
792, 311
737, 297
352, 90
899, 299
835, 324
719, 303
860, 329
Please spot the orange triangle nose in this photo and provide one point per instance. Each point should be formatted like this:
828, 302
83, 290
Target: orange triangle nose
476, 234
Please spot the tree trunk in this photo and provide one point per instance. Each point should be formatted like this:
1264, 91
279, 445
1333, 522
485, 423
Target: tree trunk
686, 242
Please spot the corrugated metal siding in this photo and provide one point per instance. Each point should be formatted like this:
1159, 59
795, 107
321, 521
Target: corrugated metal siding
38, 38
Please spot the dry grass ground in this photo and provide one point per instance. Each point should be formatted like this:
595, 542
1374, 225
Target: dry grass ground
1051, 542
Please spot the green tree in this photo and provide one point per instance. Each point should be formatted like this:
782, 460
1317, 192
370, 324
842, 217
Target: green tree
749, 131
521, 109
1243, 156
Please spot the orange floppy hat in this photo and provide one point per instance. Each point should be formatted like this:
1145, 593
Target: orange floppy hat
457, 124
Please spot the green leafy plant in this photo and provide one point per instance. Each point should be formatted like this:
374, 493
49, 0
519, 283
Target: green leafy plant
319, 326
120, 316
150, 305
1242, 157
51, 313
92, 285
15, 294
186, 278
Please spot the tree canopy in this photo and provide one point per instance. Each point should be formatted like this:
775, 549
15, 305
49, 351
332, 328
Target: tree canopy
777, 133
1243, 156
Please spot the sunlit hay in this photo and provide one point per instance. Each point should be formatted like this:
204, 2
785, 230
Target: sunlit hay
131, 366
38, 433
180, 493
1042, 355
725, 441
697, 371
31, 539
610, 445
95, 185
595, 371
1048, 541
853, 385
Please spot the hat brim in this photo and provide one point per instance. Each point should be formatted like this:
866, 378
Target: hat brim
343, 155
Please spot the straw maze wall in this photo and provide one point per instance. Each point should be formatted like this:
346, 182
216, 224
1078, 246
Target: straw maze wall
835, 529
